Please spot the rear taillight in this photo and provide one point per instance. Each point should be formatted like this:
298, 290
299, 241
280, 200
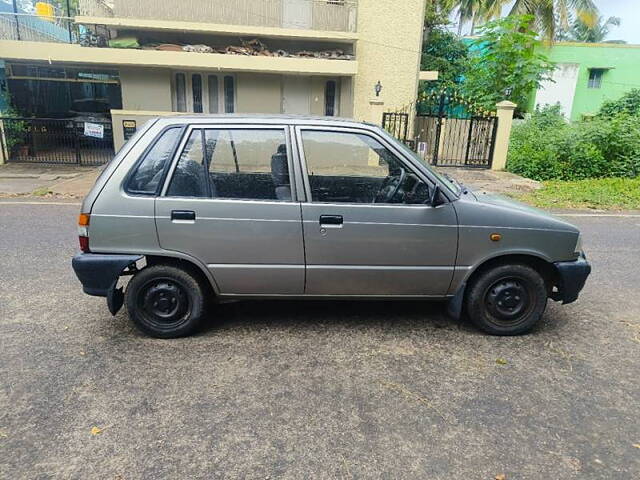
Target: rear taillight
83, 232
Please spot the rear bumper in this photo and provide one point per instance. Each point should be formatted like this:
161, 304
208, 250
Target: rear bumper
98, 272
573, 276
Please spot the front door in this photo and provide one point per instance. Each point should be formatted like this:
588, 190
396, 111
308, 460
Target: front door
296, 95
367, 229
229, 203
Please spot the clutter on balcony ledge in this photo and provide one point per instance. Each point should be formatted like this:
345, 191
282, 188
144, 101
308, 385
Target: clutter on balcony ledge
248, 47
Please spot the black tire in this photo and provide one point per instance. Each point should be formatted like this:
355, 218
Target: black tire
165, 301
508, 299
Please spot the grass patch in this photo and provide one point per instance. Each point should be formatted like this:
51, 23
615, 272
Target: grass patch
41, 192
600, 193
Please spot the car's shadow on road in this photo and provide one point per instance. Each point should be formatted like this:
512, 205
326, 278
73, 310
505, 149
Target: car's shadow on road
342, 314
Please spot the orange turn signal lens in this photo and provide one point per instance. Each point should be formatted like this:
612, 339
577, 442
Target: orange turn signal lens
83, 220
495, 237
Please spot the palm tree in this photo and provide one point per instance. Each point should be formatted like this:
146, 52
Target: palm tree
595, 33
551, 14
477, 10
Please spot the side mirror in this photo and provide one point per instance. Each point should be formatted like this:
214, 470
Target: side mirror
435, 198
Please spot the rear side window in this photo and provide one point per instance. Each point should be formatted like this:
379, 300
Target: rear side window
148, 174
242, 164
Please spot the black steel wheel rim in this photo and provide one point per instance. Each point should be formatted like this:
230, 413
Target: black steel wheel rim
164, 303
509, 300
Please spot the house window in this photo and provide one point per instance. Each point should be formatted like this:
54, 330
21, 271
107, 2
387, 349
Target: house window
181, 92
213, 93
595, 77
330, 98
200, 93
196, 89
229, 94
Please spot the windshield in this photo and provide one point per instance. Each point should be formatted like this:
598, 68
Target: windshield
446, 180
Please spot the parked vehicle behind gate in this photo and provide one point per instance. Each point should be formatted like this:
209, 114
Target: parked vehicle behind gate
202, 209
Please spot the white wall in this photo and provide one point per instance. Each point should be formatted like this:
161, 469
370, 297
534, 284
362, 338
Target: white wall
562, 90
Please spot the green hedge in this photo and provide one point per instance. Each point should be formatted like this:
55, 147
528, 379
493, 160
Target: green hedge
546, 147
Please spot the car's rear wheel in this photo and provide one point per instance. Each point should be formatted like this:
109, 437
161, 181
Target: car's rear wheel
165, 301
508, 299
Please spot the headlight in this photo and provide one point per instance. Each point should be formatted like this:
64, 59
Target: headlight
578, 248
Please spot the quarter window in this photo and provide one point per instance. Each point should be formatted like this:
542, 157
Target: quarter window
355, 168
147, 176
242, 164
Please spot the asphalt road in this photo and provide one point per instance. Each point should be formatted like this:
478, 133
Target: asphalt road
313, 390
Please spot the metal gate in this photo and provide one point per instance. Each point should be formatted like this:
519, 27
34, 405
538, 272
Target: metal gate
448, 130
56, 141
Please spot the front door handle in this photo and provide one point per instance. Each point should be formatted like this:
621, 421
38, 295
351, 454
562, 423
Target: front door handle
183, 215
331, 220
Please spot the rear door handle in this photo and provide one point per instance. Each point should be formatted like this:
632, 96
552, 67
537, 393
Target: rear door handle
331, 221
183, 215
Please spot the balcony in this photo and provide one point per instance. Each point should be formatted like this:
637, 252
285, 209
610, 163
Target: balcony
317, 15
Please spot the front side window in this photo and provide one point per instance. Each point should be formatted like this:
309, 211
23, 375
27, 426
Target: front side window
348, 167
146, 178
241, 164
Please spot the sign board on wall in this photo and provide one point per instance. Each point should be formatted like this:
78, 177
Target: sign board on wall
95, 130
128, 129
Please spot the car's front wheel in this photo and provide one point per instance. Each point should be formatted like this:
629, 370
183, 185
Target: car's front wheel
508, 299
165, 302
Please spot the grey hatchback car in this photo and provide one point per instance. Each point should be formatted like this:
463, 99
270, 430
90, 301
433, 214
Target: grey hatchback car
210, 208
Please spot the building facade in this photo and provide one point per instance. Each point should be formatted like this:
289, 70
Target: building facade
144, 58
587, 74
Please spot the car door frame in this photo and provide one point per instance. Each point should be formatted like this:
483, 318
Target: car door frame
409, 163
293, 180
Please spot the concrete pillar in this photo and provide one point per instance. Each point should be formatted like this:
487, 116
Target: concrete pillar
505, 119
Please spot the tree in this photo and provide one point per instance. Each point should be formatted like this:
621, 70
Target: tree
552, 15
596, 32
505, 63
477, 10
447, 54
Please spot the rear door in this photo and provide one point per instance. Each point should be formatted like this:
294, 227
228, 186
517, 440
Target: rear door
367, 229
229, 202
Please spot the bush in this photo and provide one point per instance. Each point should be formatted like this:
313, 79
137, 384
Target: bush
546, 147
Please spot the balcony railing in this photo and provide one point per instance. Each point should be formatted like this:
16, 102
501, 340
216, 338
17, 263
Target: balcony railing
323, 15
20, 26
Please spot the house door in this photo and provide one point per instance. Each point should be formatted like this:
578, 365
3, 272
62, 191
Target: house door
296, 13
296, 95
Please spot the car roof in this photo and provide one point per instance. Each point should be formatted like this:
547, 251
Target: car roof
264, 119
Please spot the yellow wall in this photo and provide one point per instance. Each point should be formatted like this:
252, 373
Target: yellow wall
146, 89
387, 49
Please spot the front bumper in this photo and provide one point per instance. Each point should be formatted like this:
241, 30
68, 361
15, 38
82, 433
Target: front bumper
572, 277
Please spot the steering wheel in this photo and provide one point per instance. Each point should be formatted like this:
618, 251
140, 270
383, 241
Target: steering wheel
391, 188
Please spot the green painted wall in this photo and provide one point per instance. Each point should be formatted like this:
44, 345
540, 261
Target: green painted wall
625, 74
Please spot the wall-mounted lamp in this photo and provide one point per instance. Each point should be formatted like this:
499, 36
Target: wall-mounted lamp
378, 88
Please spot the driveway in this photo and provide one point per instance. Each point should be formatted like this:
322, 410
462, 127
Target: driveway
313, 390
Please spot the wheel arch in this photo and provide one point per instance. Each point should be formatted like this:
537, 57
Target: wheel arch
536, 261
186, 263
